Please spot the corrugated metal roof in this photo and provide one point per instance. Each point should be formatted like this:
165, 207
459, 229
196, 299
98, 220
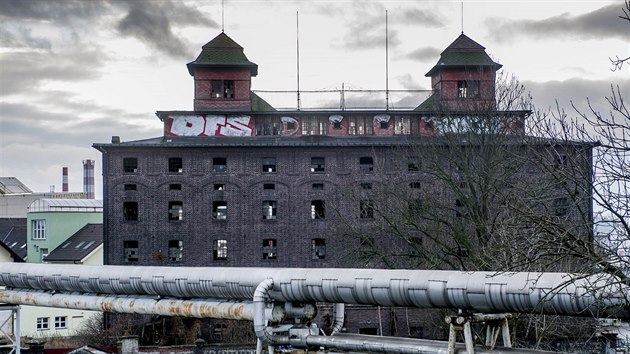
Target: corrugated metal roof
75, 205
12, 185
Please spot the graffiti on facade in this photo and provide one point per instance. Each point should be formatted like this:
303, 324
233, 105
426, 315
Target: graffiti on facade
209, 125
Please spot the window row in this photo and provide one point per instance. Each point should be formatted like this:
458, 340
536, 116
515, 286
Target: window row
175, 253
43, 323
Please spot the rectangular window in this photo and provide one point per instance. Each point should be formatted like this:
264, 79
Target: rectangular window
314, 125
130, 211
366, 208
318, 164
215, 86
222, 89
270, 247
219, 186
318, 248
39, 229
42, 323
130, 251
269, 186
561, 206
317, 209
175, 165
228, 89
219, 164
61, 322
175, 211
175, 250
219, 210
269, 210
318, 186
413, 165
402, 126
360, 125
415, 185
130, 187
467, 88
366, 164
219, 250
269, 164
130, 165
175, 186
268, 126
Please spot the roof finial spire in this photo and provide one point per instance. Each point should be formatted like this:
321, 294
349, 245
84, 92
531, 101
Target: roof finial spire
222, 18
462, 17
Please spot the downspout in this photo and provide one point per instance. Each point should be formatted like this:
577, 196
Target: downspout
339, 318
264, 334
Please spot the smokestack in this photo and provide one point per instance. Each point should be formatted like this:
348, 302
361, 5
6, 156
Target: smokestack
64, 180
88, 178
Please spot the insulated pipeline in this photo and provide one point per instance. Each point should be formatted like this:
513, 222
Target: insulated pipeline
487, 292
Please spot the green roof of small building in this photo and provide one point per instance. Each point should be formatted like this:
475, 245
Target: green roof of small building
464, 53
222, 52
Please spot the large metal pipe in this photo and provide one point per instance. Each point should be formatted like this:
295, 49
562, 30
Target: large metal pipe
139, 304
487, 292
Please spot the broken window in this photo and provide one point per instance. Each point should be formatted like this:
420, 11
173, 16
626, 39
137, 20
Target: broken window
318, 164
175, 186
366, 208
318, 186
219, 210
413, 165
269, 210
318, 247
270, 247
219, 164
467, 88
269, 164
219, 186
130, 165
175, 164
314, 125
130, 251
222, 89
268, 126
360, 125
219, 249
402, 126
175, 250
415, 185
269, 186
130, 187
366, 164
175, 211
130, 211
317, 209
384, 124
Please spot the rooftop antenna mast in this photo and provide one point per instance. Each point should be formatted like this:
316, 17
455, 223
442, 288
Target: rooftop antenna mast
462, 17
222, 17
386, 65
297, 30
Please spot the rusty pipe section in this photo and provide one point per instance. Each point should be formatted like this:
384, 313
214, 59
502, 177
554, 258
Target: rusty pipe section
139, 304
597, 295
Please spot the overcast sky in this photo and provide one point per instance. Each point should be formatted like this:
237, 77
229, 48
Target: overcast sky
76, 72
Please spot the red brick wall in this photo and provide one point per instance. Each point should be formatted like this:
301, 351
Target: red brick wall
242, 85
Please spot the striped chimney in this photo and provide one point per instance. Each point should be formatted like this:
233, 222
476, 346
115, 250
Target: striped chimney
64, 182
88, 178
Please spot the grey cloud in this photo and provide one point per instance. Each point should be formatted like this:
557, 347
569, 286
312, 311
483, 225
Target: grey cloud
424, 54
22, 37
420, 17
601, 23
45, 10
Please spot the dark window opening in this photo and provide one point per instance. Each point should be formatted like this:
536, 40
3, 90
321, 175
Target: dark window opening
318, 247
270, 247
291, 126
318, 186
467, 88
219, 250
219, 210
366, 208
314, 125
268, 126
175, 164
175, 186
175, 211
130, 251
269, 210
130, 165
219, 186
415, 185
384, 124
366, 185
317, 209
337, 125
360, 125
269, 186
413, 165
175, 250
130, 187
219, 164
366, 164
269, 164
130, 211
318, 164
222, 89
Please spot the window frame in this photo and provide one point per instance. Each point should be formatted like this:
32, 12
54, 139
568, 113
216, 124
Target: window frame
318, 164
220, 250
130, 164
318, 249
131, 251
38, 229
61, 322
269, 165
175, 251
216, 205
269, 205
130, 211
172, 204
270, 248
42, 323
175, 165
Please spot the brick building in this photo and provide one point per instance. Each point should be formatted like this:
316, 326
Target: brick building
236, 182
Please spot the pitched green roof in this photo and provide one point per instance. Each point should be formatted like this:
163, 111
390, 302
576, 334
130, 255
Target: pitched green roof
463, 52
222, 52
260, 105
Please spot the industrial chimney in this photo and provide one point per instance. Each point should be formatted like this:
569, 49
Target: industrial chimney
64, 180
88, 178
